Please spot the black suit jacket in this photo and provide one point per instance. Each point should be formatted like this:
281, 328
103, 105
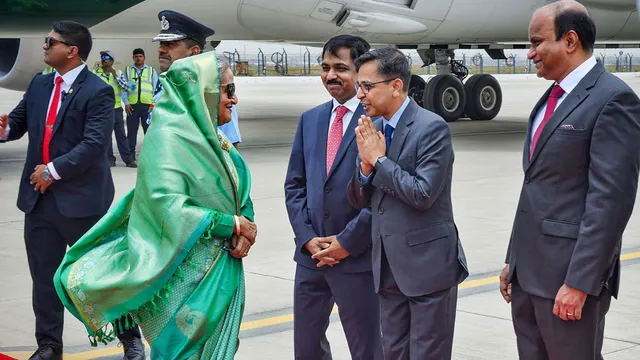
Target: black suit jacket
579, 190
78, 147
317, 203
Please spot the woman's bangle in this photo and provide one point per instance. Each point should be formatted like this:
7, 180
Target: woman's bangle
236, 228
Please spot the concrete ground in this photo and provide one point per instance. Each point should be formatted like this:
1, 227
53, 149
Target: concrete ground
487, 179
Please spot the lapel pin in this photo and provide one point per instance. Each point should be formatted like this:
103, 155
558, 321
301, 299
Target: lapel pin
70, 91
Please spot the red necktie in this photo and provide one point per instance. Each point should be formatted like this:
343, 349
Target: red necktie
335, 136
51, 120
552, 101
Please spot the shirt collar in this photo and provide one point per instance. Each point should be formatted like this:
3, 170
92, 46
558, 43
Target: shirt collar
144, 66
70, 77
571, 81
351, 104
396, 117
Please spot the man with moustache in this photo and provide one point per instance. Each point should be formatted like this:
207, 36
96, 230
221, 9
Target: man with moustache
66, 184
405, 177
180, 37
581, 159
332, 238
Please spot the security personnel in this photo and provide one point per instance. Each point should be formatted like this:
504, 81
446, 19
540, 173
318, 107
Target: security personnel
116, 79
142, 80
180, 37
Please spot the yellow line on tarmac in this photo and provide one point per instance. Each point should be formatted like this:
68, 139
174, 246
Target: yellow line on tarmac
263, 323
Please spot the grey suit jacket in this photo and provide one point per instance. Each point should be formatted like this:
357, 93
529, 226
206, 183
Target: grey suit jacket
579, 190
410, 199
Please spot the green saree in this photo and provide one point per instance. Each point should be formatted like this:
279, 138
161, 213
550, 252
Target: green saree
160, 253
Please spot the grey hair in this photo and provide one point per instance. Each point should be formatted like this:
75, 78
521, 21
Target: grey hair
223, 65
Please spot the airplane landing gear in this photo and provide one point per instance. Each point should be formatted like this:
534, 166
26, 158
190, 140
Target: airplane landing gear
480, 98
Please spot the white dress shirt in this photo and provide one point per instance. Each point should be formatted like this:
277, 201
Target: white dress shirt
567, 84
67, 81
352, 105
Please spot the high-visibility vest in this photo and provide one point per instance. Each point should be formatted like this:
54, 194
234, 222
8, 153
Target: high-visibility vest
111, 80
140, 87
48, 70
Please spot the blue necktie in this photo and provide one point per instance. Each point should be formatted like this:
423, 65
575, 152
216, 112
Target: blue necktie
388, 132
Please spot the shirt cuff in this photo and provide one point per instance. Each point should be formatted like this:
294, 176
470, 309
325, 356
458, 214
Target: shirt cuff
364, 180
6, 133
53, 171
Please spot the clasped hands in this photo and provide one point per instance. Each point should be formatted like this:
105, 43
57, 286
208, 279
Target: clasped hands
38, 181
244, 241
371, 144
326, 249
568, 303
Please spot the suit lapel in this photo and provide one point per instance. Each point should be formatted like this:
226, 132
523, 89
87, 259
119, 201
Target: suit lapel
47, 89
527, 143
573, 99
75, 87
322, 137
399, 135
347, 139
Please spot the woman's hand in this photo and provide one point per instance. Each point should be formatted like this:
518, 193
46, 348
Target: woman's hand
248, 230
241, 246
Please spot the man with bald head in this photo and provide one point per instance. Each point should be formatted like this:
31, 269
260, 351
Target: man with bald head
581, 160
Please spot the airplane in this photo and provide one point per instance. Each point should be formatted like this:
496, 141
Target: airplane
434, 28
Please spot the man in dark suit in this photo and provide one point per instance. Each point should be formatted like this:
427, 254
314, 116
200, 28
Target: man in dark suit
332, 238
581, 159
66, 184
418, 260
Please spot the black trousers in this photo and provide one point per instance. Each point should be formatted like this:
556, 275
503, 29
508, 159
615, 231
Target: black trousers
121, 139
543, 336
139, 115
47, 234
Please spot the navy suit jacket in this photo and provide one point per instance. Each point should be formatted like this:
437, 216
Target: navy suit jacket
317, 204
78, 146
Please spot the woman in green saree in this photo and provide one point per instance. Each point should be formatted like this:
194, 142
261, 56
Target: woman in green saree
169, 252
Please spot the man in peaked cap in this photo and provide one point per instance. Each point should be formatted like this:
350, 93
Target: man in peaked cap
179, 38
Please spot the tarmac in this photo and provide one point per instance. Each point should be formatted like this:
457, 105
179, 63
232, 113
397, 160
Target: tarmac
487, 179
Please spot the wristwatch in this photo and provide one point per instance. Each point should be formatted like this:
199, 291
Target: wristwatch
380, 160
46, 175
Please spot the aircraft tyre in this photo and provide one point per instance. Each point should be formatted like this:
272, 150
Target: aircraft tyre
484, 97
417, 86
445, 96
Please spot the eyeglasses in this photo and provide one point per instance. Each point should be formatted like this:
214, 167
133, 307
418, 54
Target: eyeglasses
49, 42
367, 86
231, 89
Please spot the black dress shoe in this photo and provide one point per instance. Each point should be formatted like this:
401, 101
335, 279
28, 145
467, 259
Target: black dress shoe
45, 353
133, 348
112, 163
132, 164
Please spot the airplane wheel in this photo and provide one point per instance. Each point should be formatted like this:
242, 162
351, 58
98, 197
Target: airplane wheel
445, 95
484, 97
416, 89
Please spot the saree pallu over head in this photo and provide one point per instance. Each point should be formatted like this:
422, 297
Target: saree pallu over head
157, 254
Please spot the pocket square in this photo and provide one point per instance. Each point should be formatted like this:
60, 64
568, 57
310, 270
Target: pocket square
567, 127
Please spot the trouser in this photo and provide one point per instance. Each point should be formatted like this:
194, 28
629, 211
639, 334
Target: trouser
121, 139
47, 234
315, 293
138, 115
415, 327
543, 336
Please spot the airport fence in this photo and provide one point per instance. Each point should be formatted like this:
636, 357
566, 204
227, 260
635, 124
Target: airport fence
307, 63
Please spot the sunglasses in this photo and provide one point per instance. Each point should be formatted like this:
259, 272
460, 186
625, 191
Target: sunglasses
106, 57
231, 89
49, 42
